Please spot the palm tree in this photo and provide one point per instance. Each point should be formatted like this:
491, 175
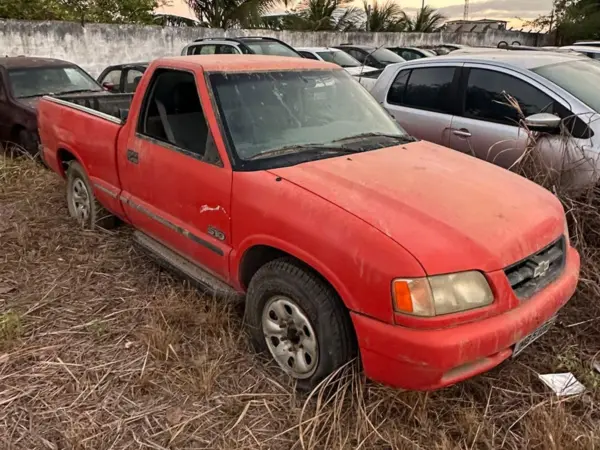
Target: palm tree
317, 15
228, 13
427, 20
386, 16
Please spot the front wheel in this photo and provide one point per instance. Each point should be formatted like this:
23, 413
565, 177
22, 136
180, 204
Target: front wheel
297, 318
82, 203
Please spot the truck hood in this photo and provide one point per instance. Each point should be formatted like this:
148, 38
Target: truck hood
451, 211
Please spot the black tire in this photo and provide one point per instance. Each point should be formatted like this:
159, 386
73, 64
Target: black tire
97, 216
28, 142
328, 316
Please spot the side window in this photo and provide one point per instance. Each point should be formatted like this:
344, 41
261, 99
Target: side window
396, 93
408, 55
208, 49
112, 77
172, 113
430, 89
486, 97
360, 56
132, 80
308, 55
224, 49
2, 90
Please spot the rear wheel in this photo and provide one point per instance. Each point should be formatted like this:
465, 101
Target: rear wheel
82, 203
297, 318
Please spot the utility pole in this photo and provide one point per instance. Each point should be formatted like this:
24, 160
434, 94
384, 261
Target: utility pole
466, 11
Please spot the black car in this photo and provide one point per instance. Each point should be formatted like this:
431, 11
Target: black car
122, 78
247, 45
23, 82
377, 57
410, 53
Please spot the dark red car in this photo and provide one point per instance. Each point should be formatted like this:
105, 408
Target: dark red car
23, 82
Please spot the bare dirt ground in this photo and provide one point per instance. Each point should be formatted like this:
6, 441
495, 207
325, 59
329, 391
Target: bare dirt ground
100, 349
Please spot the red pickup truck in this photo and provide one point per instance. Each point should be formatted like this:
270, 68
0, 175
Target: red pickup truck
284, 180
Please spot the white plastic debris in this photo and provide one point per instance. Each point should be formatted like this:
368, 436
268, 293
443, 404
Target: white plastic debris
597, 366
563, 384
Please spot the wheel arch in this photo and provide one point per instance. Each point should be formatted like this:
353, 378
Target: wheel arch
258, 253
63, 157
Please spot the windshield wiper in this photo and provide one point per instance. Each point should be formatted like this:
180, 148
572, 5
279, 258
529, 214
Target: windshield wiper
291, 149
75, 91
402, 138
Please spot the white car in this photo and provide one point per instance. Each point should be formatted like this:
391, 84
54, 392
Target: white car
336, 56
587, 50
366, 75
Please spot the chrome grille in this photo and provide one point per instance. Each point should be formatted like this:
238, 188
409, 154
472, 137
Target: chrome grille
537, 271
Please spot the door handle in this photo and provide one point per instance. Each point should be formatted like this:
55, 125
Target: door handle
132, 156
463, 132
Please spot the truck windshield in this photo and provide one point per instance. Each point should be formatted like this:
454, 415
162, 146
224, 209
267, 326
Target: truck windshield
38, 81
266, 111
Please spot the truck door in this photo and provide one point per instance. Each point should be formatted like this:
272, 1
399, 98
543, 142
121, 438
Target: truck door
176, 186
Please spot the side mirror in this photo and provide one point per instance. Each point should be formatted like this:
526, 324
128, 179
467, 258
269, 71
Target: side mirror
108, 86
543, 122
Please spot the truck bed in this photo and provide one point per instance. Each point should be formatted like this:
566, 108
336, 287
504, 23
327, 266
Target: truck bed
114, 105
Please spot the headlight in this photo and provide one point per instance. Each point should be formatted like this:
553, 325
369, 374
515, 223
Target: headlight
441, 294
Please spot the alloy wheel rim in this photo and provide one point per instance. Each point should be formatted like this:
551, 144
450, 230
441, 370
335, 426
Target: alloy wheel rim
290, 337
80, 200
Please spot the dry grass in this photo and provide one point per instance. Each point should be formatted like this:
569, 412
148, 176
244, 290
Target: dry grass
100, 349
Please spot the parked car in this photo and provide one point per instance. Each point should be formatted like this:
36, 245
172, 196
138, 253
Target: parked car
248, 45
459, 101
122, 78
587, 43
589, 51
369, 79
410, 53
281, 179
23, 81
336, 56
444, 49
377, 57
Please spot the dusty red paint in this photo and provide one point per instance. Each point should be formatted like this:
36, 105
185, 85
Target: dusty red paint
405, 211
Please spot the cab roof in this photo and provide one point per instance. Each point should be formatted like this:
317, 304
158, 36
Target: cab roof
26, 62
245, 63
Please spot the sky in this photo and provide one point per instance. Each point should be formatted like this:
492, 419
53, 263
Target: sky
514, 11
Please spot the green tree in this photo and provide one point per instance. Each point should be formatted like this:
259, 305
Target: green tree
104, 11
230, 13
571, 20
317, 15
427, 20
386, 16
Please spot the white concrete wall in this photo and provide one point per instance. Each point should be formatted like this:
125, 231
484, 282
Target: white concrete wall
94, 46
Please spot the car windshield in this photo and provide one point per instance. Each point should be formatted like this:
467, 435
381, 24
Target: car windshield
386, 56
270, 48
340, 58
34, 82
266, 111
580, 78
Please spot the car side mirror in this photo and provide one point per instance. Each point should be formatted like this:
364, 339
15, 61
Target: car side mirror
544, 122
108, 86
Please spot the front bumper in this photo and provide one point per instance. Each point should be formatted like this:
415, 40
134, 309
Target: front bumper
425, 359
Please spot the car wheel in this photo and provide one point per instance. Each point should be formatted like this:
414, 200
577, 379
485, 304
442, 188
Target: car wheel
297, 318
82, 203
